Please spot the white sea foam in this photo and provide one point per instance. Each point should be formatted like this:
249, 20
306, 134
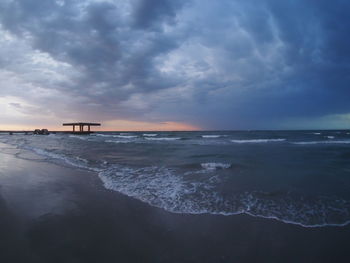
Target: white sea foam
149, 134
83, 138
211, 136
101, 135
118, 141
317, 133
258, 140
330, 137
215, 166
125, 136
323, 142
163, 188
81, 159
163, 139
178, 193
77, 161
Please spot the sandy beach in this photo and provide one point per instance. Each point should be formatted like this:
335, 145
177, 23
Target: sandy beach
51, 213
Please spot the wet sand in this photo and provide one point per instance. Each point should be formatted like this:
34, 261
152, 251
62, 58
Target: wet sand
50, 213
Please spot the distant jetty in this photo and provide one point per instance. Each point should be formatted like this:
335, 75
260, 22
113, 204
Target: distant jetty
81, 126
79, 131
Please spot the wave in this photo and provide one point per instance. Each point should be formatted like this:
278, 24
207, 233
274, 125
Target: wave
162, 187
101, 135
125, 136
164, 139
83, 138
299, 210
323, 142
215, 166
118, 141
116, 136
176, 192
76, 161
211, 136
149, 134
258, 140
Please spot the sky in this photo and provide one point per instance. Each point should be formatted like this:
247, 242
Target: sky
175, 64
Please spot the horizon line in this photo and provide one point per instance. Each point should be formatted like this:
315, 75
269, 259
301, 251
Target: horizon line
204, 130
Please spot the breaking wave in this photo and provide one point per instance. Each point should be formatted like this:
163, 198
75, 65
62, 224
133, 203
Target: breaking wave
211, 136
200, 191
125, 136
83, 138
215, 166
162, 187
258, 140
74, 161
116, 136
101, 135
118, 141
323, 142
163, 139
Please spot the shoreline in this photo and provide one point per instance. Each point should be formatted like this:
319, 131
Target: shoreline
52, 213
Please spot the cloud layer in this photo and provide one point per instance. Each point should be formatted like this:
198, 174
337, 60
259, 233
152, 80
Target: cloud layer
213, 64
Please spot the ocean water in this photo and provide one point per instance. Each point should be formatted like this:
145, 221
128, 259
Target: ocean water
297, 177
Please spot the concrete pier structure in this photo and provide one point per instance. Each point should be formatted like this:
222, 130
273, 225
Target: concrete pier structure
81, 126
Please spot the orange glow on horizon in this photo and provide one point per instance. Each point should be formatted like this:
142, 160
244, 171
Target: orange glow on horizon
123, 125
117, 125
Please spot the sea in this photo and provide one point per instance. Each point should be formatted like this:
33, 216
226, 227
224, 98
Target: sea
296, 177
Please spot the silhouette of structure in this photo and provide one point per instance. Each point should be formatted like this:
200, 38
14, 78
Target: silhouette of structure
81, 126
41, 132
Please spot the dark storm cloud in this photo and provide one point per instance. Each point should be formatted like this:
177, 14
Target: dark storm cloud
98, 42
311, 76
318, 50
218, 64
148, 13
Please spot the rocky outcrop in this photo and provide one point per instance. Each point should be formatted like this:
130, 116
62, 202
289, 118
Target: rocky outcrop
41, 132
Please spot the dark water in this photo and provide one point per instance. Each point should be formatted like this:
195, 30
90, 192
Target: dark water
299, 177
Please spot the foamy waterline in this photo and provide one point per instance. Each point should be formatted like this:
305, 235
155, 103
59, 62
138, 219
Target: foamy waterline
76, 161
160, 187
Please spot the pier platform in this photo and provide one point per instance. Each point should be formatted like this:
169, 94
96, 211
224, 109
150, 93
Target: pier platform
81, 126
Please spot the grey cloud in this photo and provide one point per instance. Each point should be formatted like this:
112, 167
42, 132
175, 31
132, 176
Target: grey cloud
219, 64
150, 14
16, 105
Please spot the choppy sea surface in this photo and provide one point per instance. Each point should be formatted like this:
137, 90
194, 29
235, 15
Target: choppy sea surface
297, 177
